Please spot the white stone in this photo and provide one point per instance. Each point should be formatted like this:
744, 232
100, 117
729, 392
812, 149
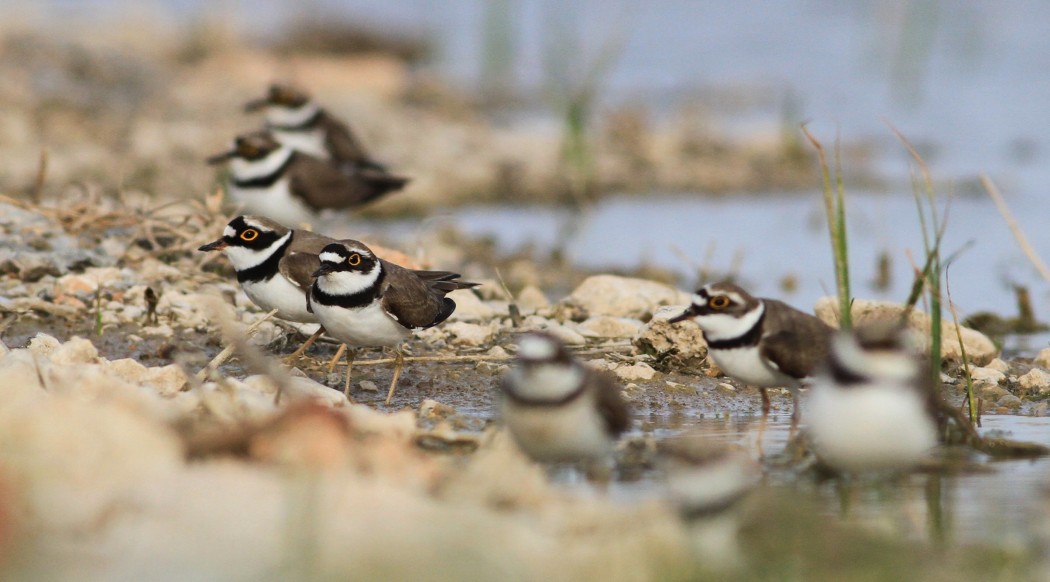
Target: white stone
1036, 380
998, 364
469, 307
531, 299
635, 372
624, 296
79, 465
979, 349
75, 351
166, 380
610, 327
469, 334
43, 344
1043, 358
987, 376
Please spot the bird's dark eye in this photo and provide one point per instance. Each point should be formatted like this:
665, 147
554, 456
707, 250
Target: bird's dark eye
354, 260
718, 302
249, 235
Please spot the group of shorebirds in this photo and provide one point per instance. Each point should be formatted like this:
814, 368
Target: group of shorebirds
871, 401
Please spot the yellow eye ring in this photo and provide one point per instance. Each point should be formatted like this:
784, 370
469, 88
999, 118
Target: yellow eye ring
718, 302
354, 260
249, 235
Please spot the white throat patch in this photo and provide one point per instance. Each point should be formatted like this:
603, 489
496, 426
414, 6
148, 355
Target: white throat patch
243, 169
877, 365
244, 258
536, 348
546, 382
348, 282
281, 116
720, 327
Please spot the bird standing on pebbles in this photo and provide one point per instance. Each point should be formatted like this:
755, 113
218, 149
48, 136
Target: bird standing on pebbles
556, 408
873, 406
762, 342
363, 300
274, 265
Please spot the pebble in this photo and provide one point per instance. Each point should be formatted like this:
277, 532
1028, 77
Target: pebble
469, 334
624, 296
677, 345
991, 392
432, 409
531, 299
987, 376
1036, 381
469, 307
1009, 402
1043, 358
610, 327
634, 372
998, 364
368, 386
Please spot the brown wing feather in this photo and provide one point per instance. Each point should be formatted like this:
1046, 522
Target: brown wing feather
413, 301
299, 268
341, 142
610, 403
322, 185
799, 348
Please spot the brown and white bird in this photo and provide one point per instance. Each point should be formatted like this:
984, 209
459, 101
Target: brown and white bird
298, 122
873, 406
274, 180
363, 300
558, 409
274, 265
761, 342
707, 482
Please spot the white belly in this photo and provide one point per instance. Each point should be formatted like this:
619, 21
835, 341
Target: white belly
869, 428
363, 326
746, 365
571, 432
308, 142
280, 294
275, 202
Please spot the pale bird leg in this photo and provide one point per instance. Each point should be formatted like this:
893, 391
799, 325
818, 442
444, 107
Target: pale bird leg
309, 342
398, 364
766, 404
335, 358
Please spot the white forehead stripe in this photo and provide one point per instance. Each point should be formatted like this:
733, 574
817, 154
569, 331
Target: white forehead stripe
698, 299
536, 348
229, 231
254, 224
330, 257
735, 297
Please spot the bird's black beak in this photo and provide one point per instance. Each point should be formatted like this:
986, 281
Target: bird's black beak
217, 245
689, 312
221, 158
324, 269
256, 104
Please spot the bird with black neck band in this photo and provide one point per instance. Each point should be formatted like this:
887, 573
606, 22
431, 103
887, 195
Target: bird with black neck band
271, 179
274, 265
874, 407
558, 409
762, 342
363, 300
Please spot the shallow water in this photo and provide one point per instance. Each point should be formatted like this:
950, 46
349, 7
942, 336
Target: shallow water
1002, 503
766, 239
